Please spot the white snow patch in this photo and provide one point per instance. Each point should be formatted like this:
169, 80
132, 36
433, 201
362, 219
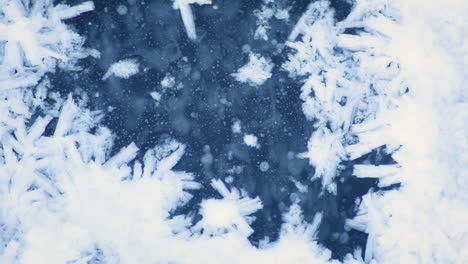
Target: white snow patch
268, 11
251, 140
228, 213
34, 41
261, 32
123, 69
168, 81
256, 71
236, 126
156, 96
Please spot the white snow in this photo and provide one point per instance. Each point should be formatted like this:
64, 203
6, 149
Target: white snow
125, 69
236, 127
251, 140
228, 213
300, 187
428, 212
168, 81
256, 71
156, 96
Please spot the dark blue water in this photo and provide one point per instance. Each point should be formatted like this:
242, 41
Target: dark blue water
201, 112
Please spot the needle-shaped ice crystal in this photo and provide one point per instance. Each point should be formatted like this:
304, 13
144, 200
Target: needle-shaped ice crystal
187, 15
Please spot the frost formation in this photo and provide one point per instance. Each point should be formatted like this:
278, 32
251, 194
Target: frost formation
123, 69
65, 199
256, 71
187, 15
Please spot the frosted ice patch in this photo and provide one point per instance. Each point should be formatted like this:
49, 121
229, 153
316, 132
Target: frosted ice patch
187, 15
256, 71
268, 11
156, 96
123, 69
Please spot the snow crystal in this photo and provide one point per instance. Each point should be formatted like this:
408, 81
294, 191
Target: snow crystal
256, 71
387, 105
342, 90
228, 213
187, 16
261, 33
251, 140
156, 96
236, 127
123, 69
282, 14
168, 81
268, 11
394, 84
300, 187
34, 41
60, 183
66, 12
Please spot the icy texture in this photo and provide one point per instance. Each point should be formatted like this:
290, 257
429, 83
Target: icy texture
400, 81
123, 69
268, 11
347, 88
187, 15
33, 39
256, 71
64, 188
64, 199
228, 213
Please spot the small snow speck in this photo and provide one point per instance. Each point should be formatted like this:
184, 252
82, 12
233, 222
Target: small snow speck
123, 69
168, 81
236, 127
122, 10
251, 140
264, 166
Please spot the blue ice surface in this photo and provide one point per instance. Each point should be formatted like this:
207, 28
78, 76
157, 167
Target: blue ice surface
194, 115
